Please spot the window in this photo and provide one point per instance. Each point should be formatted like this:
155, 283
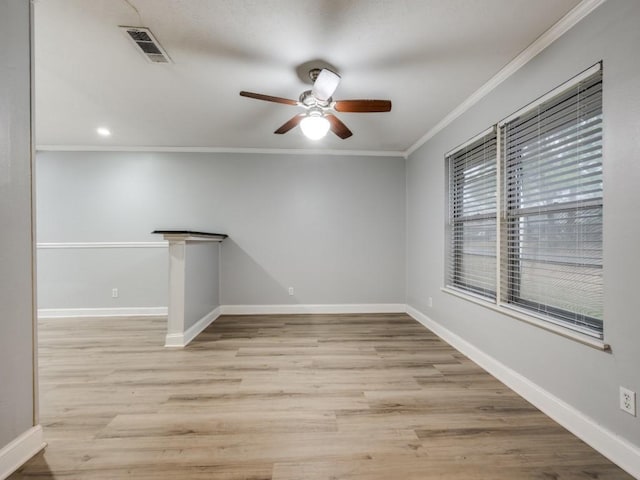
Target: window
546, 192
551, 227
472, 216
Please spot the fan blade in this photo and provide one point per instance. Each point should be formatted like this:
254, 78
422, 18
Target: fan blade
268, 98
362, 106
289, 124
325, 85
337, 127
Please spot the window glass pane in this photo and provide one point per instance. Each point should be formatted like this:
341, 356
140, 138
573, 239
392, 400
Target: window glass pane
472, 217
476, 263
552, 174
559, 271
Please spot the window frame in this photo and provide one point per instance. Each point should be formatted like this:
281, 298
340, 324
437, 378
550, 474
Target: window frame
580, 331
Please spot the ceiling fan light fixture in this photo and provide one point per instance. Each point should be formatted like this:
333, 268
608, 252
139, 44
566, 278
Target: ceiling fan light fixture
318, 118
315, 125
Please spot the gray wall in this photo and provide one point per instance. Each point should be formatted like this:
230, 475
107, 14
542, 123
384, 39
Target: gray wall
84, 277
332, 227
202, 283
16, 259
584, 377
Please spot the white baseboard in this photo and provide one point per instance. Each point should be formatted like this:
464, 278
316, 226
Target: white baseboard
302, 309
617, 449
21, 449
183, 339
227, 310
102, 312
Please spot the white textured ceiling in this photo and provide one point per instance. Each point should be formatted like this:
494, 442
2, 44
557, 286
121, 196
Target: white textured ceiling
426, 56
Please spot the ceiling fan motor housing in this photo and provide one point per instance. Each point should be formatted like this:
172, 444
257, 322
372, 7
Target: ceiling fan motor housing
309, 100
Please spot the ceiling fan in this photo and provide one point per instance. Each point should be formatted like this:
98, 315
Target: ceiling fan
318, 117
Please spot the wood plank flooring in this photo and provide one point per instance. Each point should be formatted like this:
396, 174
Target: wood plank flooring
322, 397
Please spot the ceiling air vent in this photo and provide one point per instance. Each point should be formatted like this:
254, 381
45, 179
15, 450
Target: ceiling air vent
147, 43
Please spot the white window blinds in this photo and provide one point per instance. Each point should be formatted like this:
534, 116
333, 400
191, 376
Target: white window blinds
551, 212
472, 217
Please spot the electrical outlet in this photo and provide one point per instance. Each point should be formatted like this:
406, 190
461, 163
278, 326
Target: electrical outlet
628, 401
290, 290
114, 293
430, 302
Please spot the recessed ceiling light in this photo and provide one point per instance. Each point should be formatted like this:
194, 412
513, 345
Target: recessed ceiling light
103, 132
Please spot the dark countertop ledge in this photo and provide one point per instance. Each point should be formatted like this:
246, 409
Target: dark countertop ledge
191, 233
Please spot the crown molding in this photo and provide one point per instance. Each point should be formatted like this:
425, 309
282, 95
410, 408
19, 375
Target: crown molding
574, 16
264, 151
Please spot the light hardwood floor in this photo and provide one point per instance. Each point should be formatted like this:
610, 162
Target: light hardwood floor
286, 398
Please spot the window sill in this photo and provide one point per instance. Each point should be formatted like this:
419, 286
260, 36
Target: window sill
565, 332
